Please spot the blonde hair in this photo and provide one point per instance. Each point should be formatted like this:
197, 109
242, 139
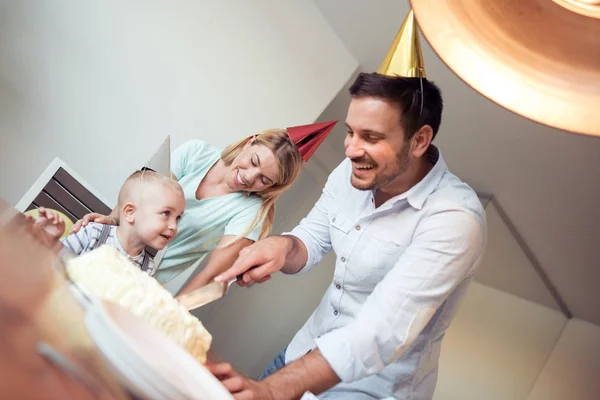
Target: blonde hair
289, 162
136, 181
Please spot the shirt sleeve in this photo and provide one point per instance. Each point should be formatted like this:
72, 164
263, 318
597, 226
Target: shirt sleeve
80, 241
313, 230
445, 251
241, 222
181, 164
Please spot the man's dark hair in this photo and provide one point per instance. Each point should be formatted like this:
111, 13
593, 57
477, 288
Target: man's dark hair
406, 93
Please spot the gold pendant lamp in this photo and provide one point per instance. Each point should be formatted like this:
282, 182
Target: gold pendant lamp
537, 58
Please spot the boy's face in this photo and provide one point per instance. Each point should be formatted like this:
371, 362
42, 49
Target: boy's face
157, 215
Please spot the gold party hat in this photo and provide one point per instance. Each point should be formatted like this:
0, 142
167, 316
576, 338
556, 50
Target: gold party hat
405, 57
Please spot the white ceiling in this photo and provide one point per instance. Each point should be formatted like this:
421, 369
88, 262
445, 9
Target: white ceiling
545, 180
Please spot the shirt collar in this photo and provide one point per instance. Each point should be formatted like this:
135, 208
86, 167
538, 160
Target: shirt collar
417, 195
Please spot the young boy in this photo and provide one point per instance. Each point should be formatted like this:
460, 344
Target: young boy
149, 205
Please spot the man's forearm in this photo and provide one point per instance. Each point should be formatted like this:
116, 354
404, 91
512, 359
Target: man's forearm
309, 373
296, 257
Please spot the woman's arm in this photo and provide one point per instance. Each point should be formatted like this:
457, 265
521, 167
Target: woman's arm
110, 219
220, 259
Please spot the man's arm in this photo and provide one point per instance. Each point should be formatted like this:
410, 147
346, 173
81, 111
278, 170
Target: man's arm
309, 373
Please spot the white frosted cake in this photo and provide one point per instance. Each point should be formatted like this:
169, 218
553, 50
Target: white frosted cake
106, 273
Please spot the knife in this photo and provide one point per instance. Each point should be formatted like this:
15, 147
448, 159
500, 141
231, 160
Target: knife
205, 294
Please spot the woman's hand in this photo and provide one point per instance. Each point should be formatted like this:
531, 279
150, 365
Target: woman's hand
93, 217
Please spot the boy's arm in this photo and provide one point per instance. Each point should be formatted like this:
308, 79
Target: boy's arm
78, 242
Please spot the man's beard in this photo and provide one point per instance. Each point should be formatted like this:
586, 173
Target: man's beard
382, 180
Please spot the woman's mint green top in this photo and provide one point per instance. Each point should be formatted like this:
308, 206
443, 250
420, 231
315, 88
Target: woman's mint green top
205, 221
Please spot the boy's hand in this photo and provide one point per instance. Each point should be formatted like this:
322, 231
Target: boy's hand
51, 222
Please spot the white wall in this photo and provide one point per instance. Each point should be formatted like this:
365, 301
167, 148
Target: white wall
501, 347
90, 81
496, 347
573, 370
506, 267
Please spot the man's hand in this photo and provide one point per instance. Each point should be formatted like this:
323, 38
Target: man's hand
92, 217
51, 222
311, 373
267, 256
240, 387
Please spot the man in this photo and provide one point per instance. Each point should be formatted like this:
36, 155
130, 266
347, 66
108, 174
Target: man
408, 236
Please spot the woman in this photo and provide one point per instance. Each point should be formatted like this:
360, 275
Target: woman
230, 197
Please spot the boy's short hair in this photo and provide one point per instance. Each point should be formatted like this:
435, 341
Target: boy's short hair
136, 181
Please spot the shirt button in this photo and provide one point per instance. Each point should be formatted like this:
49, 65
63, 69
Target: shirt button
343, 259
333, 220
338, 286
357, 227
335, 312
